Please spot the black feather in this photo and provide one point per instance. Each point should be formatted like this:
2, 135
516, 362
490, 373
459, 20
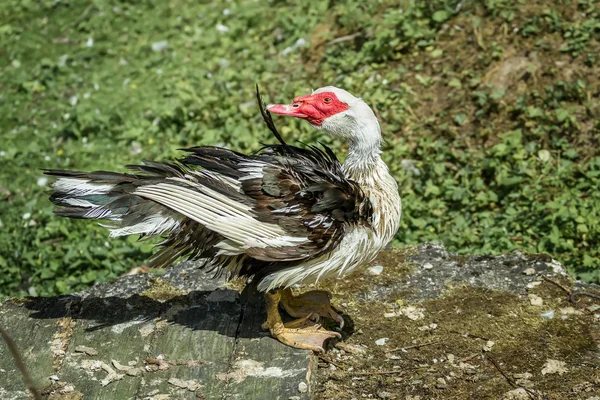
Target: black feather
268, 119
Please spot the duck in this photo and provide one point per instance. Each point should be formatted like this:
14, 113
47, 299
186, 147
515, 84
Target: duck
283, 216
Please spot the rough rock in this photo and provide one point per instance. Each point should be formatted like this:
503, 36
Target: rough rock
479, 330
156, 337
185, 335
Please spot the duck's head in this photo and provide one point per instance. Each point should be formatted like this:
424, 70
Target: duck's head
335, 111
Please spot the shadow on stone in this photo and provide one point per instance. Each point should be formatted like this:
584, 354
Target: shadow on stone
198, 310
178, 335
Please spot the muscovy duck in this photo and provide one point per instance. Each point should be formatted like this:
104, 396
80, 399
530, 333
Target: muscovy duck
283, 216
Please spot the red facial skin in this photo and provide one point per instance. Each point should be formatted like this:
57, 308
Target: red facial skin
313, 108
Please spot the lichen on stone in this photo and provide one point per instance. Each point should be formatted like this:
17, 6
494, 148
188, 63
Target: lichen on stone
161, 290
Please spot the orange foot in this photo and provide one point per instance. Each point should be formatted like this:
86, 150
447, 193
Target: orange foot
315, 302
302, 333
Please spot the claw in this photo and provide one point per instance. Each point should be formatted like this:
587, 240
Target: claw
304, 322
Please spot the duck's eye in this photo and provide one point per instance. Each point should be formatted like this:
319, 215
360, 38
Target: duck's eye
327, 100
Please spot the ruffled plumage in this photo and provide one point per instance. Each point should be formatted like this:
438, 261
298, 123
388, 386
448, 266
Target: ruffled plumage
250, 215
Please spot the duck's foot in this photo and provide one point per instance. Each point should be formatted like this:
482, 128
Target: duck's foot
315, 302
310, 337
302, 333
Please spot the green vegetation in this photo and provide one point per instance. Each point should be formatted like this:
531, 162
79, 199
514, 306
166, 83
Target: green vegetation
489, 110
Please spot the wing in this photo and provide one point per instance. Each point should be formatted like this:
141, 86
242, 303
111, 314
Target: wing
291, 203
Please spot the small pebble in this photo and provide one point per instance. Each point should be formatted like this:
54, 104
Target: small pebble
302, 387
427, 266
554, 367
524, 375
488, 346
413, 313
382, 341
90, 351
529, 271
516, 394
375, 270
535, 300
547, 314
533, 284
351, 348
570, 311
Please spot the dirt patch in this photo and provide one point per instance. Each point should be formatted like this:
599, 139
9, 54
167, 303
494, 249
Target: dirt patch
483, 70
467, 343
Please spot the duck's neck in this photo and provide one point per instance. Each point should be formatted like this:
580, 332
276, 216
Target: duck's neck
364, 163
365, 166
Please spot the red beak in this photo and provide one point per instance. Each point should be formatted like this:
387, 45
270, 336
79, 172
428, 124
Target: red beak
290, 110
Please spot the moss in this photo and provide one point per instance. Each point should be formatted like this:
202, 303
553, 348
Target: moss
355, 283
452, 363
61, 340
162, 291
236, 284
19, 301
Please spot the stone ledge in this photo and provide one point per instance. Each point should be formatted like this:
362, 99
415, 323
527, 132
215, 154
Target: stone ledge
182, 335
425, 325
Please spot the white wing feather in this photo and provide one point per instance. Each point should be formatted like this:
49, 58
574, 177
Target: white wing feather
231, 219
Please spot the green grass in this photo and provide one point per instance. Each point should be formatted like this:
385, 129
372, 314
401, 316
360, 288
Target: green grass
490, 112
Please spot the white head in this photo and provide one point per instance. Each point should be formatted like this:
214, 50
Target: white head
338, 113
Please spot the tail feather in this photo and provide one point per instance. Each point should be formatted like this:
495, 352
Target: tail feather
109, 196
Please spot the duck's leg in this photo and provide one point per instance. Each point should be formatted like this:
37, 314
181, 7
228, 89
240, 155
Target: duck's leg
315, 302
301, 334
